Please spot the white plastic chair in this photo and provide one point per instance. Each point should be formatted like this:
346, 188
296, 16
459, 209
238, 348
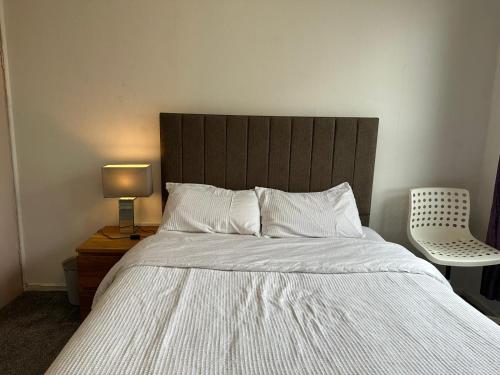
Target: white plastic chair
438, 226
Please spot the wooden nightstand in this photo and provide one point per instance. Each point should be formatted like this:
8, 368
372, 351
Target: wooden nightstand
97, 255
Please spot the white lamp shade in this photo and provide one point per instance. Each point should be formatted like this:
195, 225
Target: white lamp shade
127, 180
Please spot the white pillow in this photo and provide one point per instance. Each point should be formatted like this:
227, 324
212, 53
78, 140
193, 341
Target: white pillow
205, 208
331, 213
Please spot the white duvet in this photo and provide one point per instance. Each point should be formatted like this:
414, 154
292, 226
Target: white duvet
231, 304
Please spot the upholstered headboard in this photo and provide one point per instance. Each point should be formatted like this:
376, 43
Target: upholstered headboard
297, 154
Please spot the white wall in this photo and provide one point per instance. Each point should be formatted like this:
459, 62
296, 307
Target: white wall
90, 77
10, 270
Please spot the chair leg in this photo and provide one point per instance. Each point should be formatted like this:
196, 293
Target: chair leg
447, 272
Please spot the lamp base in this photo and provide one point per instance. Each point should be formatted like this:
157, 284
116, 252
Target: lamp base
126, 215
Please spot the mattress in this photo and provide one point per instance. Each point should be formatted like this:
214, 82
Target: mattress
230, 304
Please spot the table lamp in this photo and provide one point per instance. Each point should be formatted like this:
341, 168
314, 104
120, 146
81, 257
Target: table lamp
127, 182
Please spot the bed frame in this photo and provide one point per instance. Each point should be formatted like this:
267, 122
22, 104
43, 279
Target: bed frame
297, 154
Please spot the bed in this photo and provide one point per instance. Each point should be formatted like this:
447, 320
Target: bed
197, 303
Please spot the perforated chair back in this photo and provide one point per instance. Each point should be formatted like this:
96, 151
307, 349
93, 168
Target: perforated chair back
438, 226
439, 208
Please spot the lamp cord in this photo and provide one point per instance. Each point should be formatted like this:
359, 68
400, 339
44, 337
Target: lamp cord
138, 229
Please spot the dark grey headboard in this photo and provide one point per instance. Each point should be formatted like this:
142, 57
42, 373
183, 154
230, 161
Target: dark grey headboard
297, 154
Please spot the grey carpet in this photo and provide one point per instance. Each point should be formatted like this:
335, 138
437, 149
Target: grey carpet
33, 330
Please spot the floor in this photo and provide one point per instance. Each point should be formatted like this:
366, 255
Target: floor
33, 330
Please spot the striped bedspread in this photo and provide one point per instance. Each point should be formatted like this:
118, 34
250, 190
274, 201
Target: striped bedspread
230, 304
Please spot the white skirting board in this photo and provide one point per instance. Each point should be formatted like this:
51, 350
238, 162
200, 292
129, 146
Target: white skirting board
44, 287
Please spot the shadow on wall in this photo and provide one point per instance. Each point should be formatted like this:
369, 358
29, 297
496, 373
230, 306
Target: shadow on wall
11, 285
395, 203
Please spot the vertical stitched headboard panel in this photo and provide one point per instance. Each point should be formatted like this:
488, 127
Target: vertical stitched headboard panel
297, 154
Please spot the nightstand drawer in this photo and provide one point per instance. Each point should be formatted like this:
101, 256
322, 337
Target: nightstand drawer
93, 268
98, 254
